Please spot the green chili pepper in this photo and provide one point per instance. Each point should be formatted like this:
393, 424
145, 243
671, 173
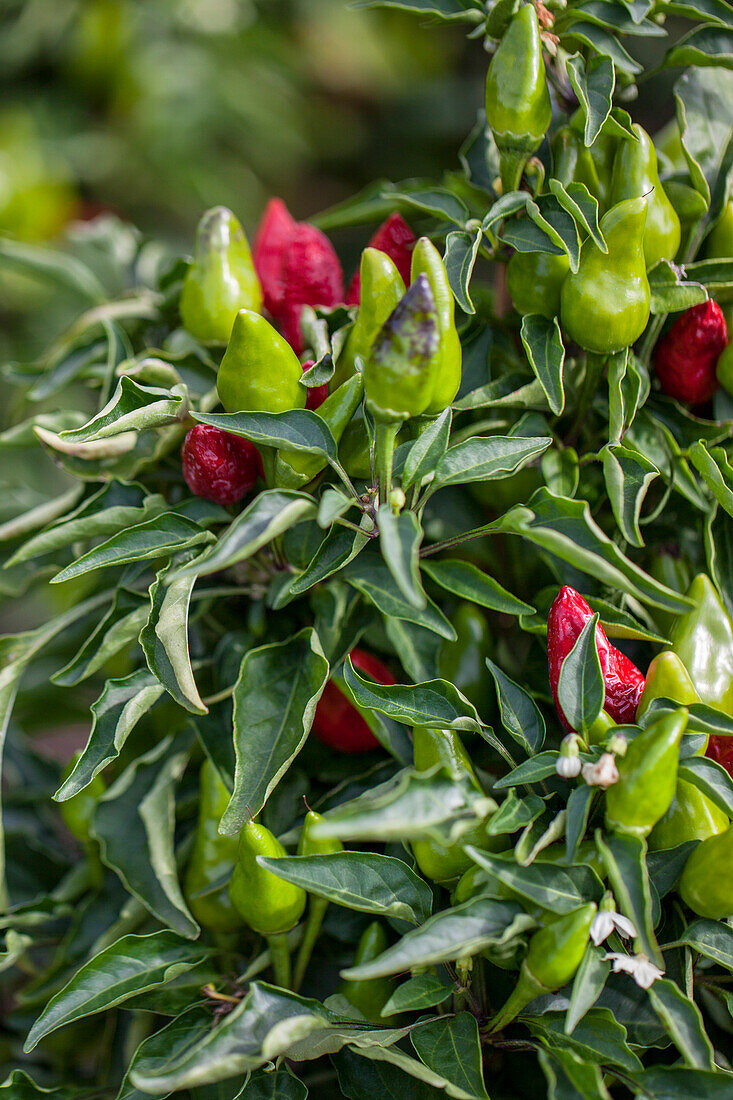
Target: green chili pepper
724, 366
518, 107
268, 904
212, 856
534, 281
647, 777
573, 161
463, 662
308, 845
706, 884
296, 468
692, 816
370, 995
703, 640
221, 280
447, 359
260, 372
553, 957
667, 678
635, 174
600, 731
440, 862
605, 305
719, 242
381, 289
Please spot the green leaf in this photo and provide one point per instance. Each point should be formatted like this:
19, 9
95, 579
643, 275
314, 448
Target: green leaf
365, 881
603, 42
451, 1047
534, 770
716, 471
275, 698
683, 1021
464, 579
481, 459
672, 293
461, 252
581, 689
682, 1083
598, 1037
400, 537
628, 475
578, 811
115, 631
588, 984
711, 938
515, 813
270, 514
546, 353
164, 640
710, 778
717, 11
628, 389
294, 430
278, 1084
625, 860
436, 703
593, 82
132, 965
440, 9
520, 715
418, 993
450, 934
582, 206
436, 201
370, 576
547, 885
340, 546
569, 1076
427, 451
132, 408
361, 1078
705, 46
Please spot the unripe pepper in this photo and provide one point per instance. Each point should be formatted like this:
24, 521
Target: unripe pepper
369, 995
296, 468
534, 281
260, 372
518, 107
703, 640
635, 174
337, 722
221, 280
463, 662
395, 239
647, 777
308, 845
553, 957
667, 678
382, 287
448, 358
724, 366
602, 154
687, 355
219, 466
706, 884
623, 681
719, 242
605, 304
573, 162
691, 816
212, 856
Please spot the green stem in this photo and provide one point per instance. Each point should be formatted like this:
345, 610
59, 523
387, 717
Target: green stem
280, 955
386, 437
511, 166
316, 913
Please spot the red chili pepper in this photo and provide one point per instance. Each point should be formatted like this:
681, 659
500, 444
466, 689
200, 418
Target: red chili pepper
624, 682
720, 749
337, 722
316, 394
396, 239
219, 466
274, 234
686, 356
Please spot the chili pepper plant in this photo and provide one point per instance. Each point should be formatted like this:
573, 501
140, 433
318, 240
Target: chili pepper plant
369, 728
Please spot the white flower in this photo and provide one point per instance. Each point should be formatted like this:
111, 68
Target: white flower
603, 773
605, 921
641, 969
567, 766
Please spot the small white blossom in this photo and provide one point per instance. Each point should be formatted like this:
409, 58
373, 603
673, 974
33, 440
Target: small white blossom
604, 924
603, 773
641, 969
618, 744
567, 766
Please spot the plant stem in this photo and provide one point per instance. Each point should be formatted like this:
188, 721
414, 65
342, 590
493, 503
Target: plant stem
280, 955
316, 913
594, 364
386, 436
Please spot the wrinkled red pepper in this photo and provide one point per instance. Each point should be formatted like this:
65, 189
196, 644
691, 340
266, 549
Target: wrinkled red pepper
686, 356
623, 680
395, 238
337, 722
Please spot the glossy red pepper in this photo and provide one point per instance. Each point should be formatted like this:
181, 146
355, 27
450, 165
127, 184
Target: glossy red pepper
624, 682
275, 230
686, 356
720, 749
395, 238
337, 722
316, 394
219, 466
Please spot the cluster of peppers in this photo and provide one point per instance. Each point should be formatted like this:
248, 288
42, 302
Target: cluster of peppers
648, 799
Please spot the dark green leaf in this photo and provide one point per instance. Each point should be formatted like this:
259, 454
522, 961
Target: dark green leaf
400, 537
520, 715
581, 688
466, 580
683, 1021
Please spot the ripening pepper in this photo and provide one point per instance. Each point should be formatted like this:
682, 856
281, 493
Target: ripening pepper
337, 722
553, 956
396, 240
448, 358
703, 640
369, 995
724, 367
382, 287
399, 376
212, 856
440, 862
635, 175
218, 465
605, 304
686, 357
719, 242
260, 372
463, 662
534, 281
221, 280
647, 777
518, 107
691, 816
667, 678
77, 812
308, 845
296, 468
720, 749
268, 904
623, 681
706, 884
